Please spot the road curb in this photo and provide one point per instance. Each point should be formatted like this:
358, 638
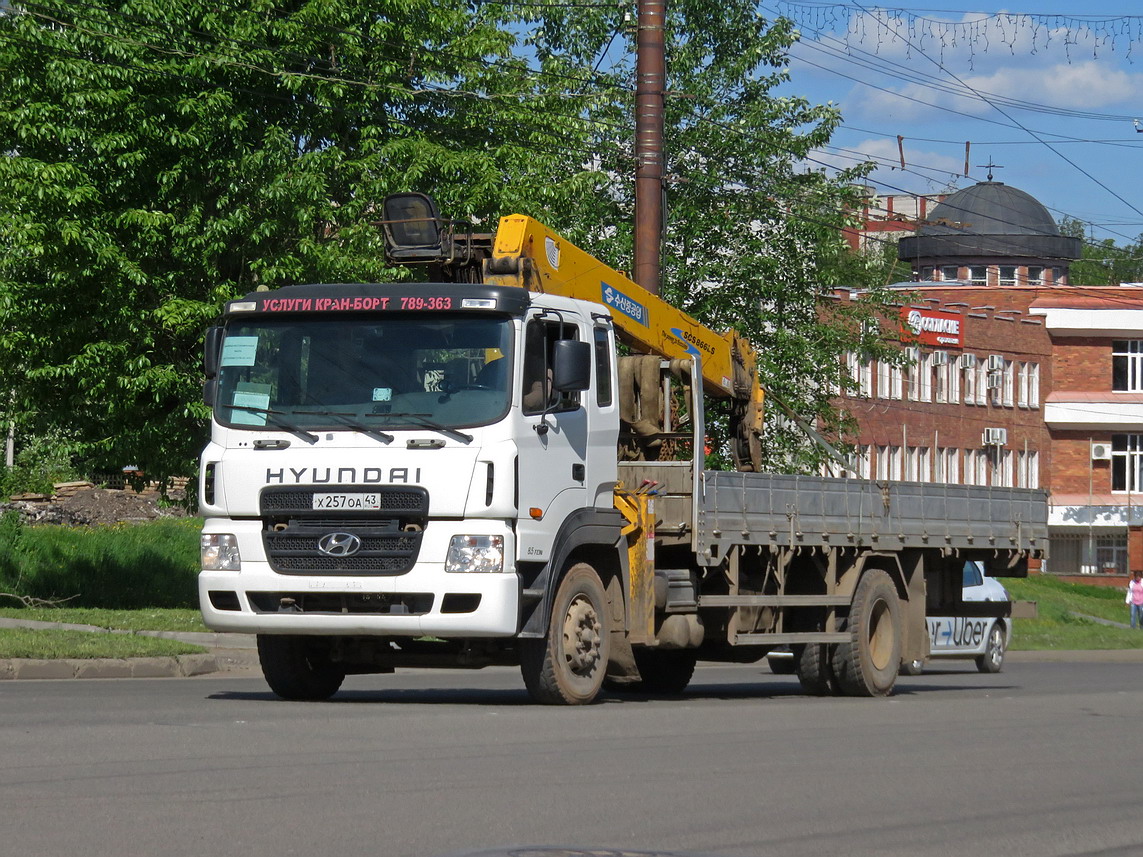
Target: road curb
180, 666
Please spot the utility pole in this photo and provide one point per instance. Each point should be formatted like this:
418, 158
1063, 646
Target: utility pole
650, 90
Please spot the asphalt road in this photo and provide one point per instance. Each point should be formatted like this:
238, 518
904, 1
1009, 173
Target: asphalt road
1043, 759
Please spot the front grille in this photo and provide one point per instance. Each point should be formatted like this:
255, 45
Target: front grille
390, 537
384, 550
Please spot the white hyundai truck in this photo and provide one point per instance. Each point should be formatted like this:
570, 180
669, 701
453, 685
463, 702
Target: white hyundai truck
464, 472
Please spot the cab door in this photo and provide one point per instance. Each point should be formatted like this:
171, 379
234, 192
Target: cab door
551, 437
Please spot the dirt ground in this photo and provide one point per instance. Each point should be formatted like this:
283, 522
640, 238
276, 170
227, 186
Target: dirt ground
96, 506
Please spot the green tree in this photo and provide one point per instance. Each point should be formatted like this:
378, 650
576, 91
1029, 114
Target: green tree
1103, 263
164, 157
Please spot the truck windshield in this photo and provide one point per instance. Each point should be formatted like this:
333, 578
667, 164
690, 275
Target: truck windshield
368, 374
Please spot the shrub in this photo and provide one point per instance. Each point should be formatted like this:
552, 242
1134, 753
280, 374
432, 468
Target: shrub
42, 461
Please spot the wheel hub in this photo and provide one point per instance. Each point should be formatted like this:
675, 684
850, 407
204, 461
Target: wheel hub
581, 636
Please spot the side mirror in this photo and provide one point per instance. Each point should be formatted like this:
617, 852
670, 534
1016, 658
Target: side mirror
209, 392
571, 366
212, 351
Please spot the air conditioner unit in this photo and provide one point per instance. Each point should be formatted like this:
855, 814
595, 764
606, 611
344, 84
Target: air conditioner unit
994, 437
968, 361
940, 358
994, 380
1100, 451
995, 363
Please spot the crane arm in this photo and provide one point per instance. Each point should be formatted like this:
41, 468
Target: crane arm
526, 253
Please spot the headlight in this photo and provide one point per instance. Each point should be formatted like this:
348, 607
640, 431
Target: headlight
219, 552
475, 553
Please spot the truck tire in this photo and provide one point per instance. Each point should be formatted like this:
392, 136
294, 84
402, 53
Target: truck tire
664, 671
993, 658
568, 666
867, 663
298, 667
815, 673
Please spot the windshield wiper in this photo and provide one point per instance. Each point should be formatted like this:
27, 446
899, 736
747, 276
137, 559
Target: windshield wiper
351, 421
422, 419
308, 437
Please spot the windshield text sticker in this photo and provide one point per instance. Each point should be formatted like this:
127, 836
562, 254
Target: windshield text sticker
239, 350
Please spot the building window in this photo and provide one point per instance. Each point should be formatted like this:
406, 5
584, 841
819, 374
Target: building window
927, 273
976, 467
917, 464
970, 379
1111, 554
978, 275
1001, 467
1126, 462
1035, 276
1028, 385
861, 374
943, 373
946, 464
1057, 276
1007, 275
889, 462
896, 383
1127, 365
983, 385
950, 272
1028, 469
1008, 383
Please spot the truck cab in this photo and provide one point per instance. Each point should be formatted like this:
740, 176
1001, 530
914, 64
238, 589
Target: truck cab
401, 454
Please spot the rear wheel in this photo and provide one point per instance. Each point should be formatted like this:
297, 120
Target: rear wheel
993, 658
812, 664
664, 671
568, 666
299, 667
867, 663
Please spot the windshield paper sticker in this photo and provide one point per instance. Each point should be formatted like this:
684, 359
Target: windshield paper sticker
256, 398
625, 304
239, 350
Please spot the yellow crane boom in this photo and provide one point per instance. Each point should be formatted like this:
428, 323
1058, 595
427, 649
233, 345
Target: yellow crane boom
527, 253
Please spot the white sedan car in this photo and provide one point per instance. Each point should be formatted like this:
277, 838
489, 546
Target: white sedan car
983, 639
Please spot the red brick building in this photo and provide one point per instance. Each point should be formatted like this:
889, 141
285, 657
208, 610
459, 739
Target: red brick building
1015, 379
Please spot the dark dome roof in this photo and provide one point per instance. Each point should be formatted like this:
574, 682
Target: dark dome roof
989, 220
990, 208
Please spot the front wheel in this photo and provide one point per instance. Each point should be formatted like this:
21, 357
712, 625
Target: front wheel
568, 666
299, 667
867, 663
993, 658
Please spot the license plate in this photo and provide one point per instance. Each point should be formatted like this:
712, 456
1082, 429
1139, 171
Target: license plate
347, 501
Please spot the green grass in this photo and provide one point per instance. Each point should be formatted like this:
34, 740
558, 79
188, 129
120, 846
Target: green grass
26, 643
124, 566
150, 619
1062, 607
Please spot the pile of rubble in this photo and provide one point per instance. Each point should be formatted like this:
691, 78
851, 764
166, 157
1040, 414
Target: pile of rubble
84, 504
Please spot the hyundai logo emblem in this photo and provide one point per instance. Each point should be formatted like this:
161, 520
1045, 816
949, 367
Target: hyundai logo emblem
339, 544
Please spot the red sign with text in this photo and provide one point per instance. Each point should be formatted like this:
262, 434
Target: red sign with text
932, 327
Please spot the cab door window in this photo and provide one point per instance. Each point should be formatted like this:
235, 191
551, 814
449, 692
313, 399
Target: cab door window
539, 340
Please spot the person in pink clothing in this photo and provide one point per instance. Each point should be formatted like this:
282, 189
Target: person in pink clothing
1135, 598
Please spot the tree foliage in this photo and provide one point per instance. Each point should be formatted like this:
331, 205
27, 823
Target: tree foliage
162, 158
1104, 263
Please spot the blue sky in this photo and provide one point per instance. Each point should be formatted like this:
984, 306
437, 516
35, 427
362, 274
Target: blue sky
1067, 79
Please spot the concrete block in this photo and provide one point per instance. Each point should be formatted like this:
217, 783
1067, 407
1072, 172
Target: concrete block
104, 668
197, 664
38, 668
154, 667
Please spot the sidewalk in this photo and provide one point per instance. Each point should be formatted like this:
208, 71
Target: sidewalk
228, 652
